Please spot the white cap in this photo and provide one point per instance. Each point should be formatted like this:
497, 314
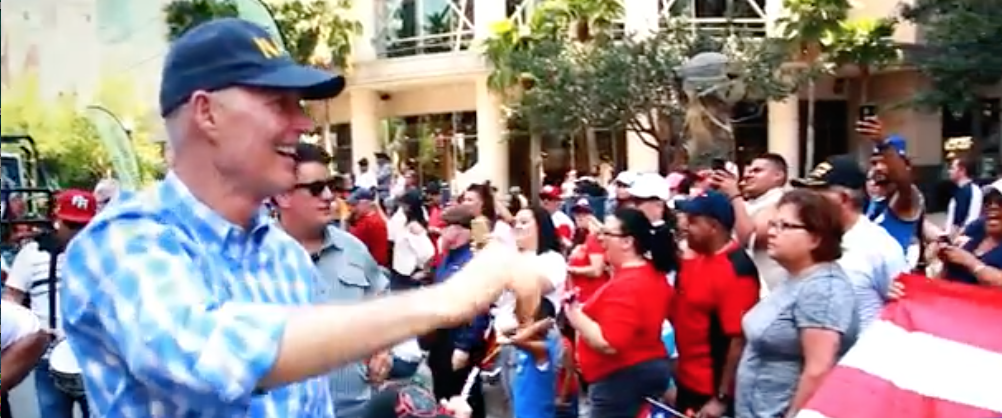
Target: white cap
650, 186
625, 177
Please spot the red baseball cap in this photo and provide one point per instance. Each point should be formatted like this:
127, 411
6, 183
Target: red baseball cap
550, 193
76, 206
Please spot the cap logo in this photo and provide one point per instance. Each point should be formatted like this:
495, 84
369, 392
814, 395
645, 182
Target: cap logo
80, 202
268, 48
821, 170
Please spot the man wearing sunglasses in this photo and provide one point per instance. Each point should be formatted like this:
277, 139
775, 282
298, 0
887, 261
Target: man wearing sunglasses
348, 273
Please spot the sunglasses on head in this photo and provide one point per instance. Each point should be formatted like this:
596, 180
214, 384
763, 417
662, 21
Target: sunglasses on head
317, 188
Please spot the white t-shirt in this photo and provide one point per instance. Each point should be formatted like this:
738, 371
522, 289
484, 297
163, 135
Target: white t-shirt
16, 322
562, 221
554, 268
871, 261
769, 271
367, 180
29, 273
503, 234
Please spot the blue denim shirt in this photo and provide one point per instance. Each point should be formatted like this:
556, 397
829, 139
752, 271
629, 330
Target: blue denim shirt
348, 274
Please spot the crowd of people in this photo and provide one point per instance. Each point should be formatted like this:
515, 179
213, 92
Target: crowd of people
718, 291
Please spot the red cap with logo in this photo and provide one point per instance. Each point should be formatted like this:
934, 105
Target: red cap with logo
76, 206
549, 193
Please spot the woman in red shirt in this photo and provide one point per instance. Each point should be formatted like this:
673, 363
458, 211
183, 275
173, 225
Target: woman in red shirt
619, 347
586, 270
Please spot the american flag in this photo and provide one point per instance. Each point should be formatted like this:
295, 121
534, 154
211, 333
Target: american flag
937, 353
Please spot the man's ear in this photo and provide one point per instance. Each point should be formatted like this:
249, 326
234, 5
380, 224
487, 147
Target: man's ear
283, 200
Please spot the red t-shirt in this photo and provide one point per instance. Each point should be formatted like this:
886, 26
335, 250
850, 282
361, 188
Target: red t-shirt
581, 257
371, 230
714, 293
630, 309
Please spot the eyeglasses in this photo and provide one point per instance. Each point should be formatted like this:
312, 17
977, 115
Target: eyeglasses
318, 187
786, 226
612, 234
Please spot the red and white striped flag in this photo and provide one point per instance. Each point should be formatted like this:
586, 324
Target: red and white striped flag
937, 353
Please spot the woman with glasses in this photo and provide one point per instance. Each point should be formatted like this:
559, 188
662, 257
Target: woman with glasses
978, 257
800, 330
620, 351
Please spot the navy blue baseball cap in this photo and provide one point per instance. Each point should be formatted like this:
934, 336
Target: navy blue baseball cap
232, 52
839, 170
712, 204
361, 194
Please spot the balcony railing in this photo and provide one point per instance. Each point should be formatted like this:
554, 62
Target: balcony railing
718, 17
417, 27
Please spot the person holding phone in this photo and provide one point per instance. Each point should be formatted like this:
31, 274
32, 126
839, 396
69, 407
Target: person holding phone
898, 205
619, 348
977, 261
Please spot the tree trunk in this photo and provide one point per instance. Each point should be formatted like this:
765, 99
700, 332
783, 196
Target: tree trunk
592, 144
326, 137
536, 160
809, 149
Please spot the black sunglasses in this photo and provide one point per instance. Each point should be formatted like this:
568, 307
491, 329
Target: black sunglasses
318, 187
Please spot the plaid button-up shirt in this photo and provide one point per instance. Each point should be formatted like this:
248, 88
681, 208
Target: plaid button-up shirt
172, 311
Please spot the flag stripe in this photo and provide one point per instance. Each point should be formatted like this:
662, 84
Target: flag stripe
929, 365
938, 307
851, 393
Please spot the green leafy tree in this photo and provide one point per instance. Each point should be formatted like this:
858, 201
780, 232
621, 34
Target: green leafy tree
181, 15
68, 144
805, 27
962, 52
561, 85
864, 46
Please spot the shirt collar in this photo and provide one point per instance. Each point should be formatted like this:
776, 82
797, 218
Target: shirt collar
173, 192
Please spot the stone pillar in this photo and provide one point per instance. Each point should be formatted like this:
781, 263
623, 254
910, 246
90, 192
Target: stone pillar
784, 131
364, 46
492, 145
365, 124
784, 116
641, 20
485, 14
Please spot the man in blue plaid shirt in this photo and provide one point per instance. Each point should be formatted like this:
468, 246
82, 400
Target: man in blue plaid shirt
186, 301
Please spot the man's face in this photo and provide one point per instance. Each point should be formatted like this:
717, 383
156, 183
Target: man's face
309, 202
551, 205
455, 236
253, 134
760, 176
957, 172
700, 231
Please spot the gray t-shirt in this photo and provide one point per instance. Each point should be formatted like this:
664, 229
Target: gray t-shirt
770, 368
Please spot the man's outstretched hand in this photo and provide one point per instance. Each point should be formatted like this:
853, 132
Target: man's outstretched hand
495, 269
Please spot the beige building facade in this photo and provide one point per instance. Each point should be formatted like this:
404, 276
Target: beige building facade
404, 68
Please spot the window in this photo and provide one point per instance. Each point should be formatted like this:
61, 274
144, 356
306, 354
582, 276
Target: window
429, 26
985, 126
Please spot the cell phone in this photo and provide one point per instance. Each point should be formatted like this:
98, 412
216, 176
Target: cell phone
718, 164
867, 111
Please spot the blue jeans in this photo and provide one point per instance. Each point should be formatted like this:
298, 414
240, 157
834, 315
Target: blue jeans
52, 402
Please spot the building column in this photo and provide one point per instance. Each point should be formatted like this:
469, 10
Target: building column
784, 116
784, 131
365, 124
641, 21
492, 145
363, 48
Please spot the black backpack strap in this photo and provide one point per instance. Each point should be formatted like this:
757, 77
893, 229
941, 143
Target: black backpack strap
53, 260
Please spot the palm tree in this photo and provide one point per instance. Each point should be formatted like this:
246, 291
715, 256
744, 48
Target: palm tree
319, 33
807, 24
862, 46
